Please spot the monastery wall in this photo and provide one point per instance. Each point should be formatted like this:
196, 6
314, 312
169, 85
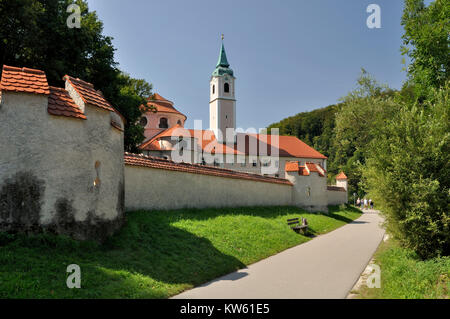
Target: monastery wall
152, 183
336, 196
59, 173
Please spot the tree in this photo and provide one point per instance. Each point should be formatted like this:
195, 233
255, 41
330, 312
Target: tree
358, 120
427, 42
408, 174
133, 92
34, 33
315, 128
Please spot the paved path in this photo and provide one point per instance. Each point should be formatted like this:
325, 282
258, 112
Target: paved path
325, 267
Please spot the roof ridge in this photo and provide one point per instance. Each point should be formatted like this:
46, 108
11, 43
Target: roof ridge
23, 69
57, 88
160, 98
79, 80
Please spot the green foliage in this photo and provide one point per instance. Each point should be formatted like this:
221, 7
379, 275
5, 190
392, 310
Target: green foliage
395, 145
427, 43
132, 92
408, 174
34, 33
157, 254
315, 128
358, 120
405, 276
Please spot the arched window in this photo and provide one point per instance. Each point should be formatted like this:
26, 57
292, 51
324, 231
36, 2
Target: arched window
163, 123
226, 88
143, 121
179, 122
214, 89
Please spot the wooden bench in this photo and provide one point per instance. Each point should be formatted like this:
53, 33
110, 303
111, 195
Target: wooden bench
295, 225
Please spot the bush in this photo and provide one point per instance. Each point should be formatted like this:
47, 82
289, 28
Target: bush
408, 175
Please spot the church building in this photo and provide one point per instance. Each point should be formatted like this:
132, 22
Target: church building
222, 144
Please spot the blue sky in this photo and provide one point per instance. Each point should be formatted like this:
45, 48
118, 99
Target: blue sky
288, 56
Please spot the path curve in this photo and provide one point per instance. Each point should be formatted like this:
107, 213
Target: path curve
325, 267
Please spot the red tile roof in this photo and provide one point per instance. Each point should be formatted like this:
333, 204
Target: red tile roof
341, 175
153, 146
303, 171
88, 93
313, 167
161, 105
24, 80
289, 146
60, 103
158, 97
177, 131
306, 169
159, 163
291, 167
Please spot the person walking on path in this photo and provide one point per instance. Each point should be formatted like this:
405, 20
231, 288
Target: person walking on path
358, 202
371, 204
365, 203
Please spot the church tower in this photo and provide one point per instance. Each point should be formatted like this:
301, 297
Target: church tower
222, 102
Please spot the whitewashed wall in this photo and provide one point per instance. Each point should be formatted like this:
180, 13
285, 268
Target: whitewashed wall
150, 188
336, 197
47, 169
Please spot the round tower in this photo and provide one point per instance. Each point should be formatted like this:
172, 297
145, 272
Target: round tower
166, 116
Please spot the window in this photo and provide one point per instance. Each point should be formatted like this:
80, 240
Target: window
255, 163
179, 122
143, 121
226, 88
163, 123
214, 89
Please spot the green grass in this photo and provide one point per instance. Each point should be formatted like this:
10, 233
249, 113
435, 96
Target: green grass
405, 276
157, 254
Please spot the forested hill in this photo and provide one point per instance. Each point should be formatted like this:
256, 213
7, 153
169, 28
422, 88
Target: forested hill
314, 128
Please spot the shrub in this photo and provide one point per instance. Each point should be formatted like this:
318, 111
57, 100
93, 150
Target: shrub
408, 175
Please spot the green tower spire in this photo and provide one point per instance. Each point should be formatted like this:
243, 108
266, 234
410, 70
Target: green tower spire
222, 67
222, 58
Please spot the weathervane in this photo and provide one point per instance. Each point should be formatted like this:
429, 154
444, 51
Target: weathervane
222, 36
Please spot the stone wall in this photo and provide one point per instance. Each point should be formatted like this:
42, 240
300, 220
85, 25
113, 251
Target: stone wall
175, 186
63, 170
309, 192
59, 173
336, 196
154, 183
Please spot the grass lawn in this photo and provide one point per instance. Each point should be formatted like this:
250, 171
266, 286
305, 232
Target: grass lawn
404, 275
157, 254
